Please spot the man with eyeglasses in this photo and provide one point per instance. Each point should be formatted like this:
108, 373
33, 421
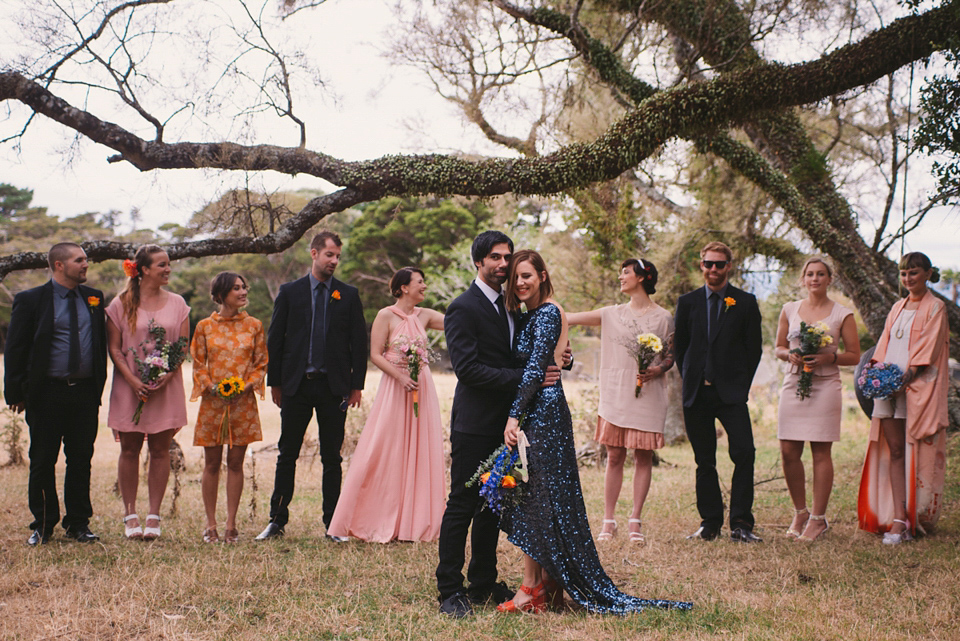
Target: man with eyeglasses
718, 346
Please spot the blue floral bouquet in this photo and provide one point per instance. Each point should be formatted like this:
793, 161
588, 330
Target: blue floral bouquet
499, 477
880, 380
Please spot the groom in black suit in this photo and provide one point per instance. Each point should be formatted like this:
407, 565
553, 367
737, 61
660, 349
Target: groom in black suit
718, 346
317, 343
479, 334
55, 365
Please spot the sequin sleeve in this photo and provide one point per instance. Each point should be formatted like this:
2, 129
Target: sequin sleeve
545, 325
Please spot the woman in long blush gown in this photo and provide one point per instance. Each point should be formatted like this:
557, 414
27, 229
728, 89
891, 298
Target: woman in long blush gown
395, 485
550, 523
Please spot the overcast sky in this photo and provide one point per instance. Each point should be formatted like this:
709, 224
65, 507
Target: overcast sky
365, 116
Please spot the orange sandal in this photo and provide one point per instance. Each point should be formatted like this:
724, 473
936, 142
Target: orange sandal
536, 605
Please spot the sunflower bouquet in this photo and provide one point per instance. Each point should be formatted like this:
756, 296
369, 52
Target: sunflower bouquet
812, 338
499, 476
644, 348
228, 389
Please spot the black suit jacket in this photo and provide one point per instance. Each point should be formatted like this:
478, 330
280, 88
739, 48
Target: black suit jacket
288, 340
736, 347
26, 357
482, 358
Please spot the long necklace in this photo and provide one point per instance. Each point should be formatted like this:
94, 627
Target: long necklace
899, 327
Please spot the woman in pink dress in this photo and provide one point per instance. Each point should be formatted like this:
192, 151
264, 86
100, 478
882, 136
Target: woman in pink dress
627, 421
165, 411
395, 485
815, 418
901, 490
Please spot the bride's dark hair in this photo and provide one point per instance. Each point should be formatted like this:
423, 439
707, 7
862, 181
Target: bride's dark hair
536, 261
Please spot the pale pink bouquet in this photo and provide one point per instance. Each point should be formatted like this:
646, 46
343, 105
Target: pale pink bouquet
415, 354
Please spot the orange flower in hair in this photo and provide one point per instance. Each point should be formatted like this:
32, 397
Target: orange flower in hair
130, 268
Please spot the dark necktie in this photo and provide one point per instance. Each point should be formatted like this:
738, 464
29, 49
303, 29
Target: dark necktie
714, 314
319, 326
73, 363
503, 314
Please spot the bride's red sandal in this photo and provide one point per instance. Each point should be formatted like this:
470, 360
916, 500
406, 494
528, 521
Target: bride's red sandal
536, 605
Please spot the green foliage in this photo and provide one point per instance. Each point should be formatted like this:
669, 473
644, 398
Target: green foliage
939, 130
397, 232
12, 200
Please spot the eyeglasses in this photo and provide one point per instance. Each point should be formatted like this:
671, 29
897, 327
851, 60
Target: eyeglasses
710, 264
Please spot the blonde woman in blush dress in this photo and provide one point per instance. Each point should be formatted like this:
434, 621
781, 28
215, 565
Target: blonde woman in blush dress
626, 421
901, 491
229, 343
816, 418
395, 486
143, 300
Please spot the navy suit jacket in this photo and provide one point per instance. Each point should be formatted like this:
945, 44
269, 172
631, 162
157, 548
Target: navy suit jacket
26, 357
482, 358
736, 346
288, 340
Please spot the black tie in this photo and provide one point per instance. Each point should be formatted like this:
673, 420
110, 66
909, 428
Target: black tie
319, 326
714, 314
503, 314
73, 364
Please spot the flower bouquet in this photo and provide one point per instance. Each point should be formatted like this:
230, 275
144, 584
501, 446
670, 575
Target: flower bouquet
164, 358
228, 389
644, 348
414, 355
500, 482
812, 338
880, 380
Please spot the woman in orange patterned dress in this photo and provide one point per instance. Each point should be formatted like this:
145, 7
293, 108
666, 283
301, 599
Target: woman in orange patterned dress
230, 343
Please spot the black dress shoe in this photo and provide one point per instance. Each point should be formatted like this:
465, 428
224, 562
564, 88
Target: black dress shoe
456, 606
705, 533
497, 594
272, 531
39, 537
743, 535
82, 535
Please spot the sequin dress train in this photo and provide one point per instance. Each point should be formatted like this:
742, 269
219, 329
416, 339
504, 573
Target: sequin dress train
551, 523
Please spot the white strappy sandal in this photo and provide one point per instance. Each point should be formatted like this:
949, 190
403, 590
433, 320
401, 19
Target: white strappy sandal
132, 532
636, 537
607, 536
152, 533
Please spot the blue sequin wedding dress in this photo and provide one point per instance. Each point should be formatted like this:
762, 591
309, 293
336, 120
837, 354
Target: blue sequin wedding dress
550, 525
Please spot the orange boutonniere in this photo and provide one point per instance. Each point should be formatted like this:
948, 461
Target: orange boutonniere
335, 295
129, 268
729, 302
93, 301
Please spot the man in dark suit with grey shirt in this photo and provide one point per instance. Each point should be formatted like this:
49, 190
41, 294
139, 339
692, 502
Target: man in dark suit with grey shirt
55, 366
317, 344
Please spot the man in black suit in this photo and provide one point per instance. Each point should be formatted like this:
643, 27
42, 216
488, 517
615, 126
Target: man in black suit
479, 334
55, 365
317, 344
718, 347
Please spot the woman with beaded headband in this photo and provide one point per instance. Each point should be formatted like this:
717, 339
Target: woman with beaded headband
816, 417
627, 421
129, 316
901, 489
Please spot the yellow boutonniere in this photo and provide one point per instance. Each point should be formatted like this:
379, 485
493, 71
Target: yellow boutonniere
93, 301
729, 302
335, 295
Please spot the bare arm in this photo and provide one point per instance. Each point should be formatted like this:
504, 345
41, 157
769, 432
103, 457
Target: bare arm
115, 349
851, 342
586, 319
432, 319
782, 349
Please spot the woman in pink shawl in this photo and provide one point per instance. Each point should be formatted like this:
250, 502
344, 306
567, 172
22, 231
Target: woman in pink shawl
901, 490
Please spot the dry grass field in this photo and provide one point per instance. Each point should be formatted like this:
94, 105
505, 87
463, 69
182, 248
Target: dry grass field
846, 586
